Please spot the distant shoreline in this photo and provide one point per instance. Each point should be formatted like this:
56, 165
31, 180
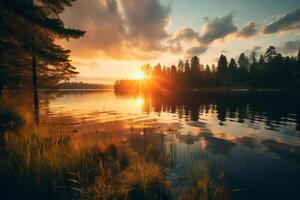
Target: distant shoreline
218, 89
198, 90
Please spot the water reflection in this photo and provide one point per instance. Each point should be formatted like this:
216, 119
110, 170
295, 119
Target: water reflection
274, 110
256, 136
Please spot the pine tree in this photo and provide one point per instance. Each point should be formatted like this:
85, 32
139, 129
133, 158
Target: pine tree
270, 54
222, 69
187, 68
195, 64
232, 72
243, 69
180, 66
253, 68
31, 29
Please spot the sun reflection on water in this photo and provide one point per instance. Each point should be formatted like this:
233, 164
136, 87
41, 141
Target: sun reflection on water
139, 101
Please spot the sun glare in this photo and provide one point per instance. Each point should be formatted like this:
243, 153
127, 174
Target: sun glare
139, 75
140, 101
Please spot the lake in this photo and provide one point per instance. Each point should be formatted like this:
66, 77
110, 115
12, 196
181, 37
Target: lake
253, 137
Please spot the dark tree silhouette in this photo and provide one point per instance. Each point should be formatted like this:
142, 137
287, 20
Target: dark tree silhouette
31, 29
180, 66
222, 69
243, 68
232, 72
279, 72
270, 53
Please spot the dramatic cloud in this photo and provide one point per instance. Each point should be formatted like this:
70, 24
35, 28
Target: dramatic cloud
213, 30
118, 29
288, 22
103, 23
136, 29
186, 34
290, 47
218, 28
248, 30
146, 21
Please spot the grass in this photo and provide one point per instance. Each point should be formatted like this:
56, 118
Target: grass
34, 166
39, 163
201, 185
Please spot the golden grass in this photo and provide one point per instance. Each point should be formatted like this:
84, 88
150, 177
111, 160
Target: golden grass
34, 165
44, 163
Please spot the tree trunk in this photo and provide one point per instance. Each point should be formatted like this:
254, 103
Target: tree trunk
35, 89
34, 77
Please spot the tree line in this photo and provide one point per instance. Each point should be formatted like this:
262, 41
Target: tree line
82, 85
29, 56
269, 70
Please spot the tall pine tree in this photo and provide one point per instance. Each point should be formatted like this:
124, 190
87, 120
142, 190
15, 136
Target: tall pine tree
31, 27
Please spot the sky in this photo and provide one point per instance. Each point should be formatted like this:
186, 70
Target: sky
122, 35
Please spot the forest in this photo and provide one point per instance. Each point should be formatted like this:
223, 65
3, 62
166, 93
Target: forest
270, 71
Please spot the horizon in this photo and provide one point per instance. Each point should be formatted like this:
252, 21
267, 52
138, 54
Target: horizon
121, 37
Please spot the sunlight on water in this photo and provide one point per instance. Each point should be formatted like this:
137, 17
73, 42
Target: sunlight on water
249, 134
140, 102
189, 118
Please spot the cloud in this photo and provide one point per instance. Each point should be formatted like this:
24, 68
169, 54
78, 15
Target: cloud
146, 21
288, 22
218, 28
290, 47
197, 50
248, 30
186, 34
118, 29
103, 23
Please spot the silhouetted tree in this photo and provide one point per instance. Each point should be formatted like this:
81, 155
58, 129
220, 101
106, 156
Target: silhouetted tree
195, 65
180, 66
32, 27
232, 72
222, 69
253, 68
270, 53
195, 71
187, 68
279, 72
243, 69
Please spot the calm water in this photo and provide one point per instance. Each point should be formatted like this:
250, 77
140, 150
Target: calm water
254, 137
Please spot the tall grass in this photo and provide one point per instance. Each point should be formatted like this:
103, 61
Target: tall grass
35, 166
39, 163
201, 185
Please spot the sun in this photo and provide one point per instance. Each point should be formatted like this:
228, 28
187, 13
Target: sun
140, 101
139, 75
